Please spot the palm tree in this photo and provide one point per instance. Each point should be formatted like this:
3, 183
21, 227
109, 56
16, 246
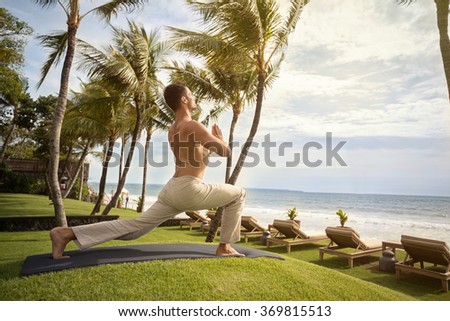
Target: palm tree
254, 28
149, 129
442, 11
230, 88
157, 116
129, 66
101, 111
66, 43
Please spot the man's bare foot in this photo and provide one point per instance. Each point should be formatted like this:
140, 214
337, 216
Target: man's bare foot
60, 236
225, 249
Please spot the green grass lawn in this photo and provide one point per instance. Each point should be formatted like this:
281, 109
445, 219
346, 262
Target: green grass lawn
38, 205
301, 276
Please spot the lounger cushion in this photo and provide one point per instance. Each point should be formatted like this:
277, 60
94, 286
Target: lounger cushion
251, 224
289, 228
427, 250
347, 237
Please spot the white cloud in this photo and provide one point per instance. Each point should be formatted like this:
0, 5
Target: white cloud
366, 30
419, 119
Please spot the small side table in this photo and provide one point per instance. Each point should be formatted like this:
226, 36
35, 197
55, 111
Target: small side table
391, 245
387, 261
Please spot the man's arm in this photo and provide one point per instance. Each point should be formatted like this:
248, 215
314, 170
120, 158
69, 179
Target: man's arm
212, 141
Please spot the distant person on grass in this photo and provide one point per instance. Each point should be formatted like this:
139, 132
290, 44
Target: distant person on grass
191, 143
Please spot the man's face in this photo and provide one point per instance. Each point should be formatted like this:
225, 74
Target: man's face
191, 104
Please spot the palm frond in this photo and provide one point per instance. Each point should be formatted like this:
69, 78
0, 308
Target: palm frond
269, 17
46, 3
208, 10
165, 117
112, 8
273, 71
198, 80
405, 2
295, 9
213, 115
196, 43
92, 60
56, 43
240, 24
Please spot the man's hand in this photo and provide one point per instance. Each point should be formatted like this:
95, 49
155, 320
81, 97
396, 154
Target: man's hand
217, 132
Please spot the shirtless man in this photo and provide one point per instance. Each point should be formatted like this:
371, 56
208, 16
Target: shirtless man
191, 143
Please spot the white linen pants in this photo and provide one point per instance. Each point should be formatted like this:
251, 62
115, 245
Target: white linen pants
185, 193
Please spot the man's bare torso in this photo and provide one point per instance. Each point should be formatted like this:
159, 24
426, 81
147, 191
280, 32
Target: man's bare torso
190, 156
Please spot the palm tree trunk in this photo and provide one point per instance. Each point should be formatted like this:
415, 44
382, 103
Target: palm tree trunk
136, 131
122, 152
9, 134
144, 175
55, 133
444, 42
79, 166
230, 145
6, 142
237, 169
253, 129
102, 184
10, 131
67, 161
80, 194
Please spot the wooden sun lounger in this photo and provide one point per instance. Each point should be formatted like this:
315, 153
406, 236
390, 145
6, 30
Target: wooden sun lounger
251, 228
292, 235
420, 250
196, 219
344, 238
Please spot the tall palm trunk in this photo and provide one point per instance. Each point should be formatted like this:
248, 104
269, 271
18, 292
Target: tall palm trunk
65, 167
136, 131
237, 169
79, 166
144, 175
58, 118
122, 153
444, 42
10, 132
102, 184
80, 194
230, 144
6, 142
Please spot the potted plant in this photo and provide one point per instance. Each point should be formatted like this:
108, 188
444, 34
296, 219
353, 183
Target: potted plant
139, 205
292, 213
342, 217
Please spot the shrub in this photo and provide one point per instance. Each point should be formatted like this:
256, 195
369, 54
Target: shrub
12, 182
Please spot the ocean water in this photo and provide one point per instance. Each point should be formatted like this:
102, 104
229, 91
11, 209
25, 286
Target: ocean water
375, 217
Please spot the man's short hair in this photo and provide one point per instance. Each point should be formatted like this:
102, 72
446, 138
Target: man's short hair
173, 94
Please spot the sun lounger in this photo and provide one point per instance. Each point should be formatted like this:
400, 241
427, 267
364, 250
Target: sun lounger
196, 219
211, 214
425, 251
289, 234
343, 238
251, 227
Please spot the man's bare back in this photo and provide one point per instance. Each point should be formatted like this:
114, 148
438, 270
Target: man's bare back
191, 157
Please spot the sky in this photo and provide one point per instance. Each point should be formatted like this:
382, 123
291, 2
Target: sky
360, 104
